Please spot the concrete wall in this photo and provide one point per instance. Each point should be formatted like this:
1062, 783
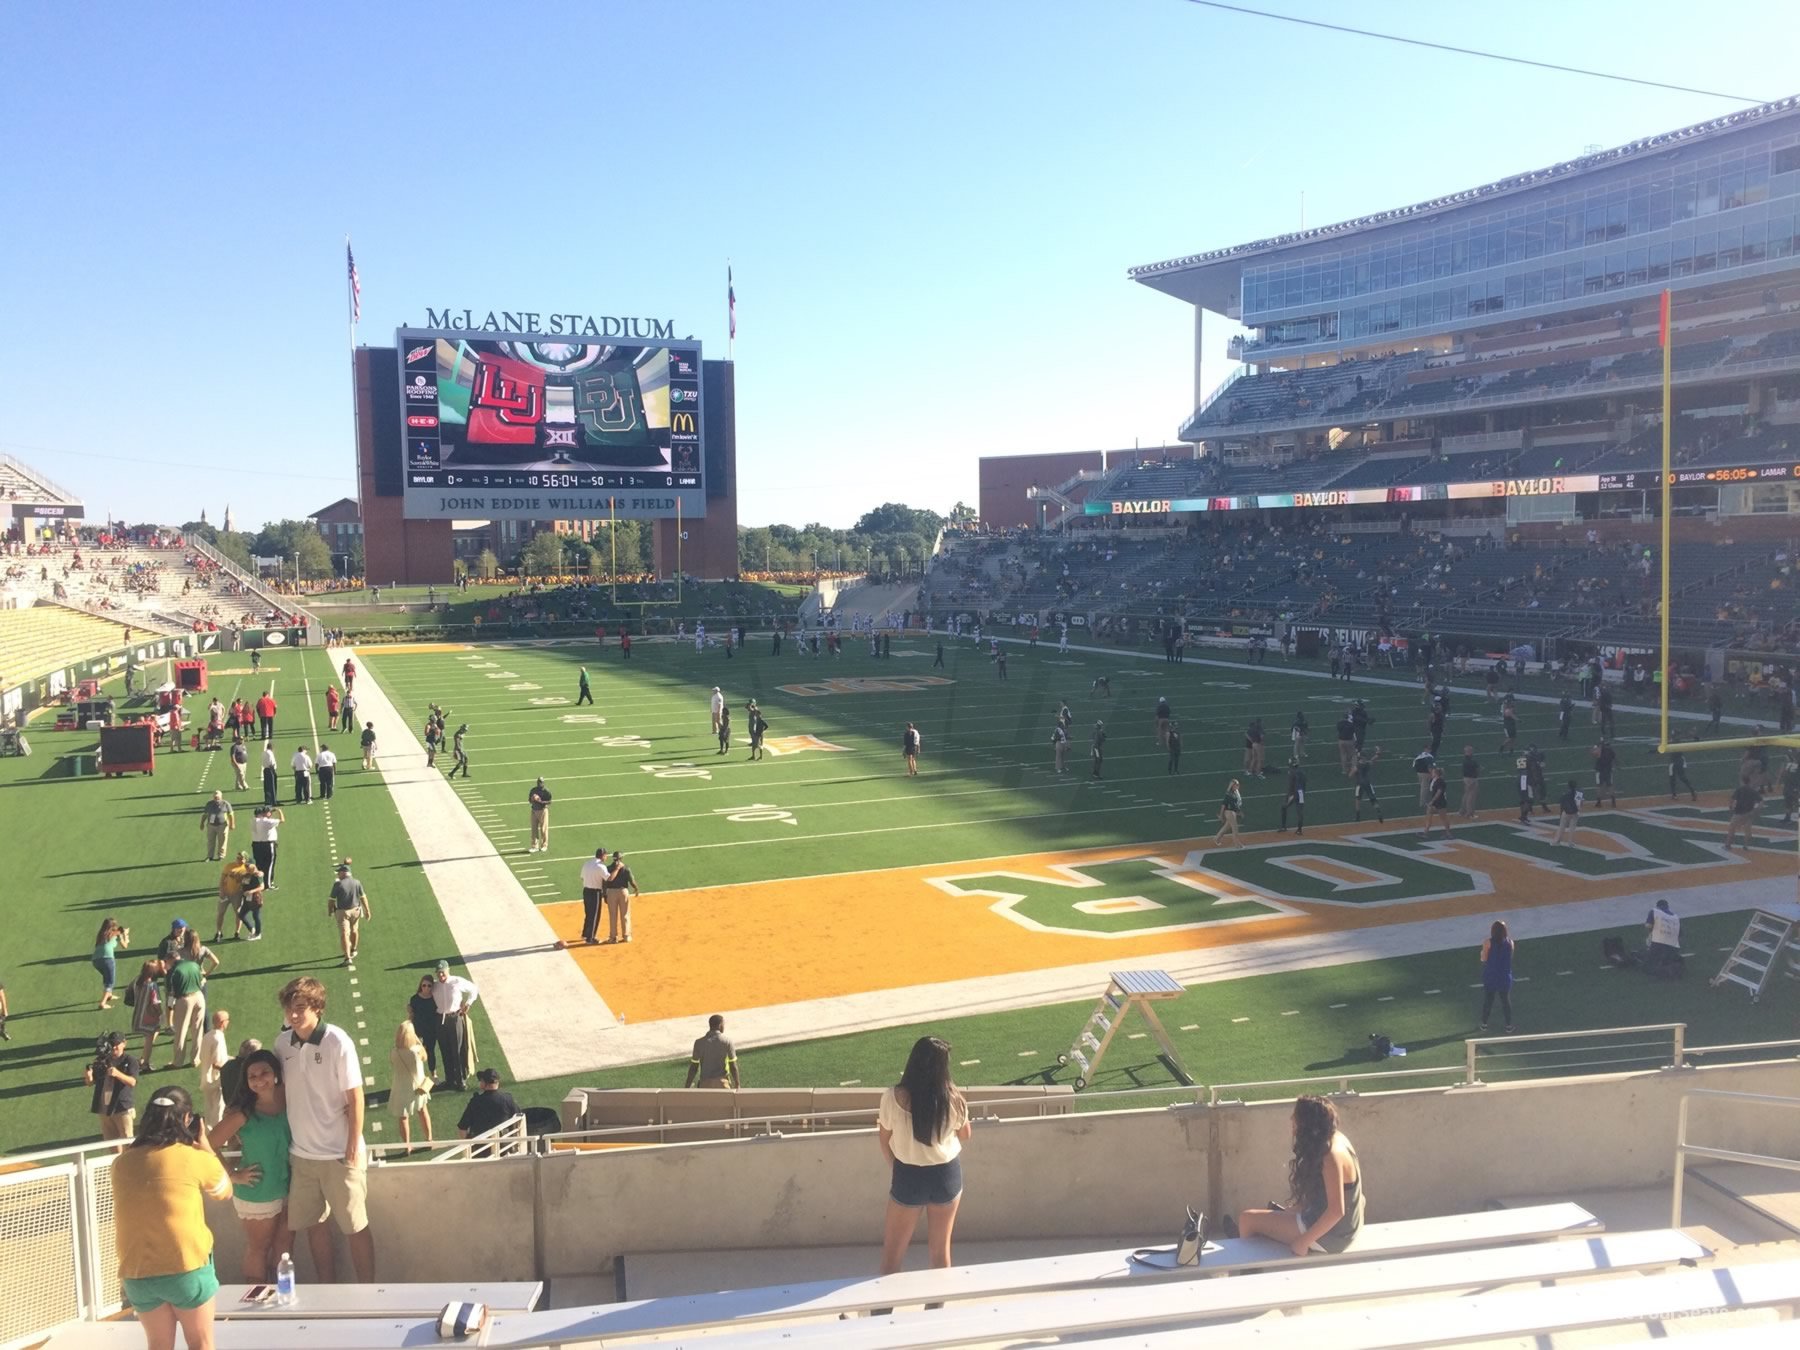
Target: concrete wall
1114, 1175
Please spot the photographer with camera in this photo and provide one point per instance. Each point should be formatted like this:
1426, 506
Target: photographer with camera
113, 1076
160, 1185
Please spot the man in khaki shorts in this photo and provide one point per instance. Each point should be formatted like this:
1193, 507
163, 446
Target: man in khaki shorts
327, 1162
349, 905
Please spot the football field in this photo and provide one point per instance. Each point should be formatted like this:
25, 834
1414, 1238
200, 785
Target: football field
823, 880
834, 907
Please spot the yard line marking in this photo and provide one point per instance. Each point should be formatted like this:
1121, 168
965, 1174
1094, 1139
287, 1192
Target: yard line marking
1476, 985
362, 1040
1136, 1035
1291, 1012
1340, 1005
966, 1063
1385, 998
1191, 1026
1434, 991
1026, 1054
353, 978
851, 1082
1240, 1019
361, 1025
1565, 972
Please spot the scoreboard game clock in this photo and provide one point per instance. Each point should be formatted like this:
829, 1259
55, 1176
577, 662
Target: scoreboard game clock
525, 426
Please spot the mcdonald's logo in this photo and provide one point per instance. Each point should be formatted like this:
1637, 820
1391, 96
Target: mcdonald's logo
682, 424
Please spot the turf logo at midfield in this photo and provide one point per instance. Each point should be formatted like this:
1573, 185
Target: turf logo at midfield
890, 684
1127, 897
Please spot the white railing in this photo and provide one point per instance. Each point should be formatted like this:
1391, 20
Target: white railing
1684, 1150
508, 1139
1673, 1059
42, 480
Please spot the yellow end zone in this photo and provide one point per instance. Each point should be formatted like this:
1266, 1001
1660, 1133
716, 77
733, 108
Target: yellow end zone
772, 942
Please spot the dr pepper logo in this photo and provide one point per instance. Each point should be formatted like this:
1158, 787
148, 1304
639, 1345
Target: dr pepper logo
418, 354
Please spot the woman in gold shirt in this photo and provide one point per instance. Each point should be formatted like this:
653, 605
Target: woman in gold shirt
160, 1185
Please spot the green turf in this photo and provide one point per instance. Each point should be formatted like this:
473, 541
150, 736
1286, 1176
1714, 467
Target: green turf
80, 848
85, 847
984, 788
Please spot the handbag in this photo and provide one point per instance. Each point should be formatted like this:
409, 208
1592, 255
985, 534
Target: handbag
1186, 1251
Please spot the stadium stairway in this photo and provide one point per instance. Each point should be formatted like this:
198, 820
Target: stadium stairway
873, 601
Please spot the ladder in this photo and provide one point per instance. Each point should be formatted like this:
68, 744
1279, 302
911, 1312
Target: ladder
1126, 990
1758, 951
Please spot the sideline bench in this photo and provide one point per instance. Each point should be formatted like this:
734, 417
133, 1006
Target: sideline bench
1096, 1308
381, 1300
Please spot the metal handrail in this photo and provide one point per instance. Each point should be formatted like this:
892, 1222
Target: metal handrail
1343, 1081
1685, 1150
1472, 1045
1693, 1050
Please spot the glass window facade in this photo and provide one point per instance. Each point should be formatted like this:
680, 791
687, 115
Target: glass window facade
1645, 225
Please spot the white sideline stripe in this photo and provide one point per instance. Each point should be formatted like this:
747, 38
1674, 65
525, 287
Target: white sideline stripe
545, 1014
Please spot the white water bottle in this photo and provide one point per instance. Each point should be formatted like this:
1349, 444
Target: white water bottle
284, 1281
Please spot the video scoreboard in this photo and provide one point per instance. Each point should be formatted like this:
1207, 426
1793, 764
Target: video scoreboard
520, 426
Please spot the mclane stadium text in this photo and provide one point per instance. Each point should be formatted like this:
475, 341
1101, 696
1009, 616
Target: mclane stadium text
529, 321
476, 504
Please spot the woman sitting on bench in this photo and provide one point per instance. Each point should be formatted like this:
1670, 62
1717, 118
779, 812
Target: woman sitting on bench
1324, 1181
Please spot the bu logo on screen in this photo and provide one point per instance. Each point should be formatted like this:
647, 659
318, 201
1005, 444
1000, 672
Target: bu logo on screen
682, 423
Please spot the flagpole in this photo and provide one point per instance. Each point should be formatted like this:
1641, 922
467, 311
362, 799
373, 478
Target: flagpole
1668, 474
730, 315
350, 287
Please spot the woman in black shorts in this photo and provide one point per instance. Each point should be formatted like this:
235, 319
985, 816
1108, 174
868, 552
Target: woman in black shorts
922, 1124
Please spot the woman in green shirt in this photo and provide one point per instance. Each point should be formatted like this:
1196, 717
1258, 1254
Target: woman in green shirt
257, 1121
107, 942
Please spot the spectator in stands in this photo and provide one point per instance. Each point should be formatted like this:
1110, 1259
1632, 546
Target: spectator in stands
1325, 1184
921, 1126
1497, 974
159, 1186
409, 1079
256, 1124
328, 1163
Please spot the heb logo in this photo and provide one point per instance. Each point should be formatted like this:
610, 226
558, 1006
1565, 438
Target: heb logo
417, 354
421, 420
1140, 508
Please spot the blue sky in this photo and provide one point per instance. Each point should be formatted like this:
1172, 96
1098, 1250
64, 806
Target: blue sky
930, 207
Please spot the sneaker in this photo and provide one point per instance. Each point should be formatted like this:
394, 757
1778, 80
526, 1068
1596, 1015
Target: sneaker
1482, 1027
1510, 1028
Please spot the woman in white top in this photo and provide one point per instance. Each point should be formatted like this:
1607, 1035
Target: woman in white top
921, 1125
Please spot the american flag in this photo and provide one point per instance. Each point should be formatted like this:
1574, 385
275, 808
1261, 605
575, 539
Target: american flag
730, 301
355, 285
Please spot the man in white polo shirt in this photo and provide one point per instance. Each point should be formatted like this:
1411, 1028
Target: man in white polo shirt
327, 1162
